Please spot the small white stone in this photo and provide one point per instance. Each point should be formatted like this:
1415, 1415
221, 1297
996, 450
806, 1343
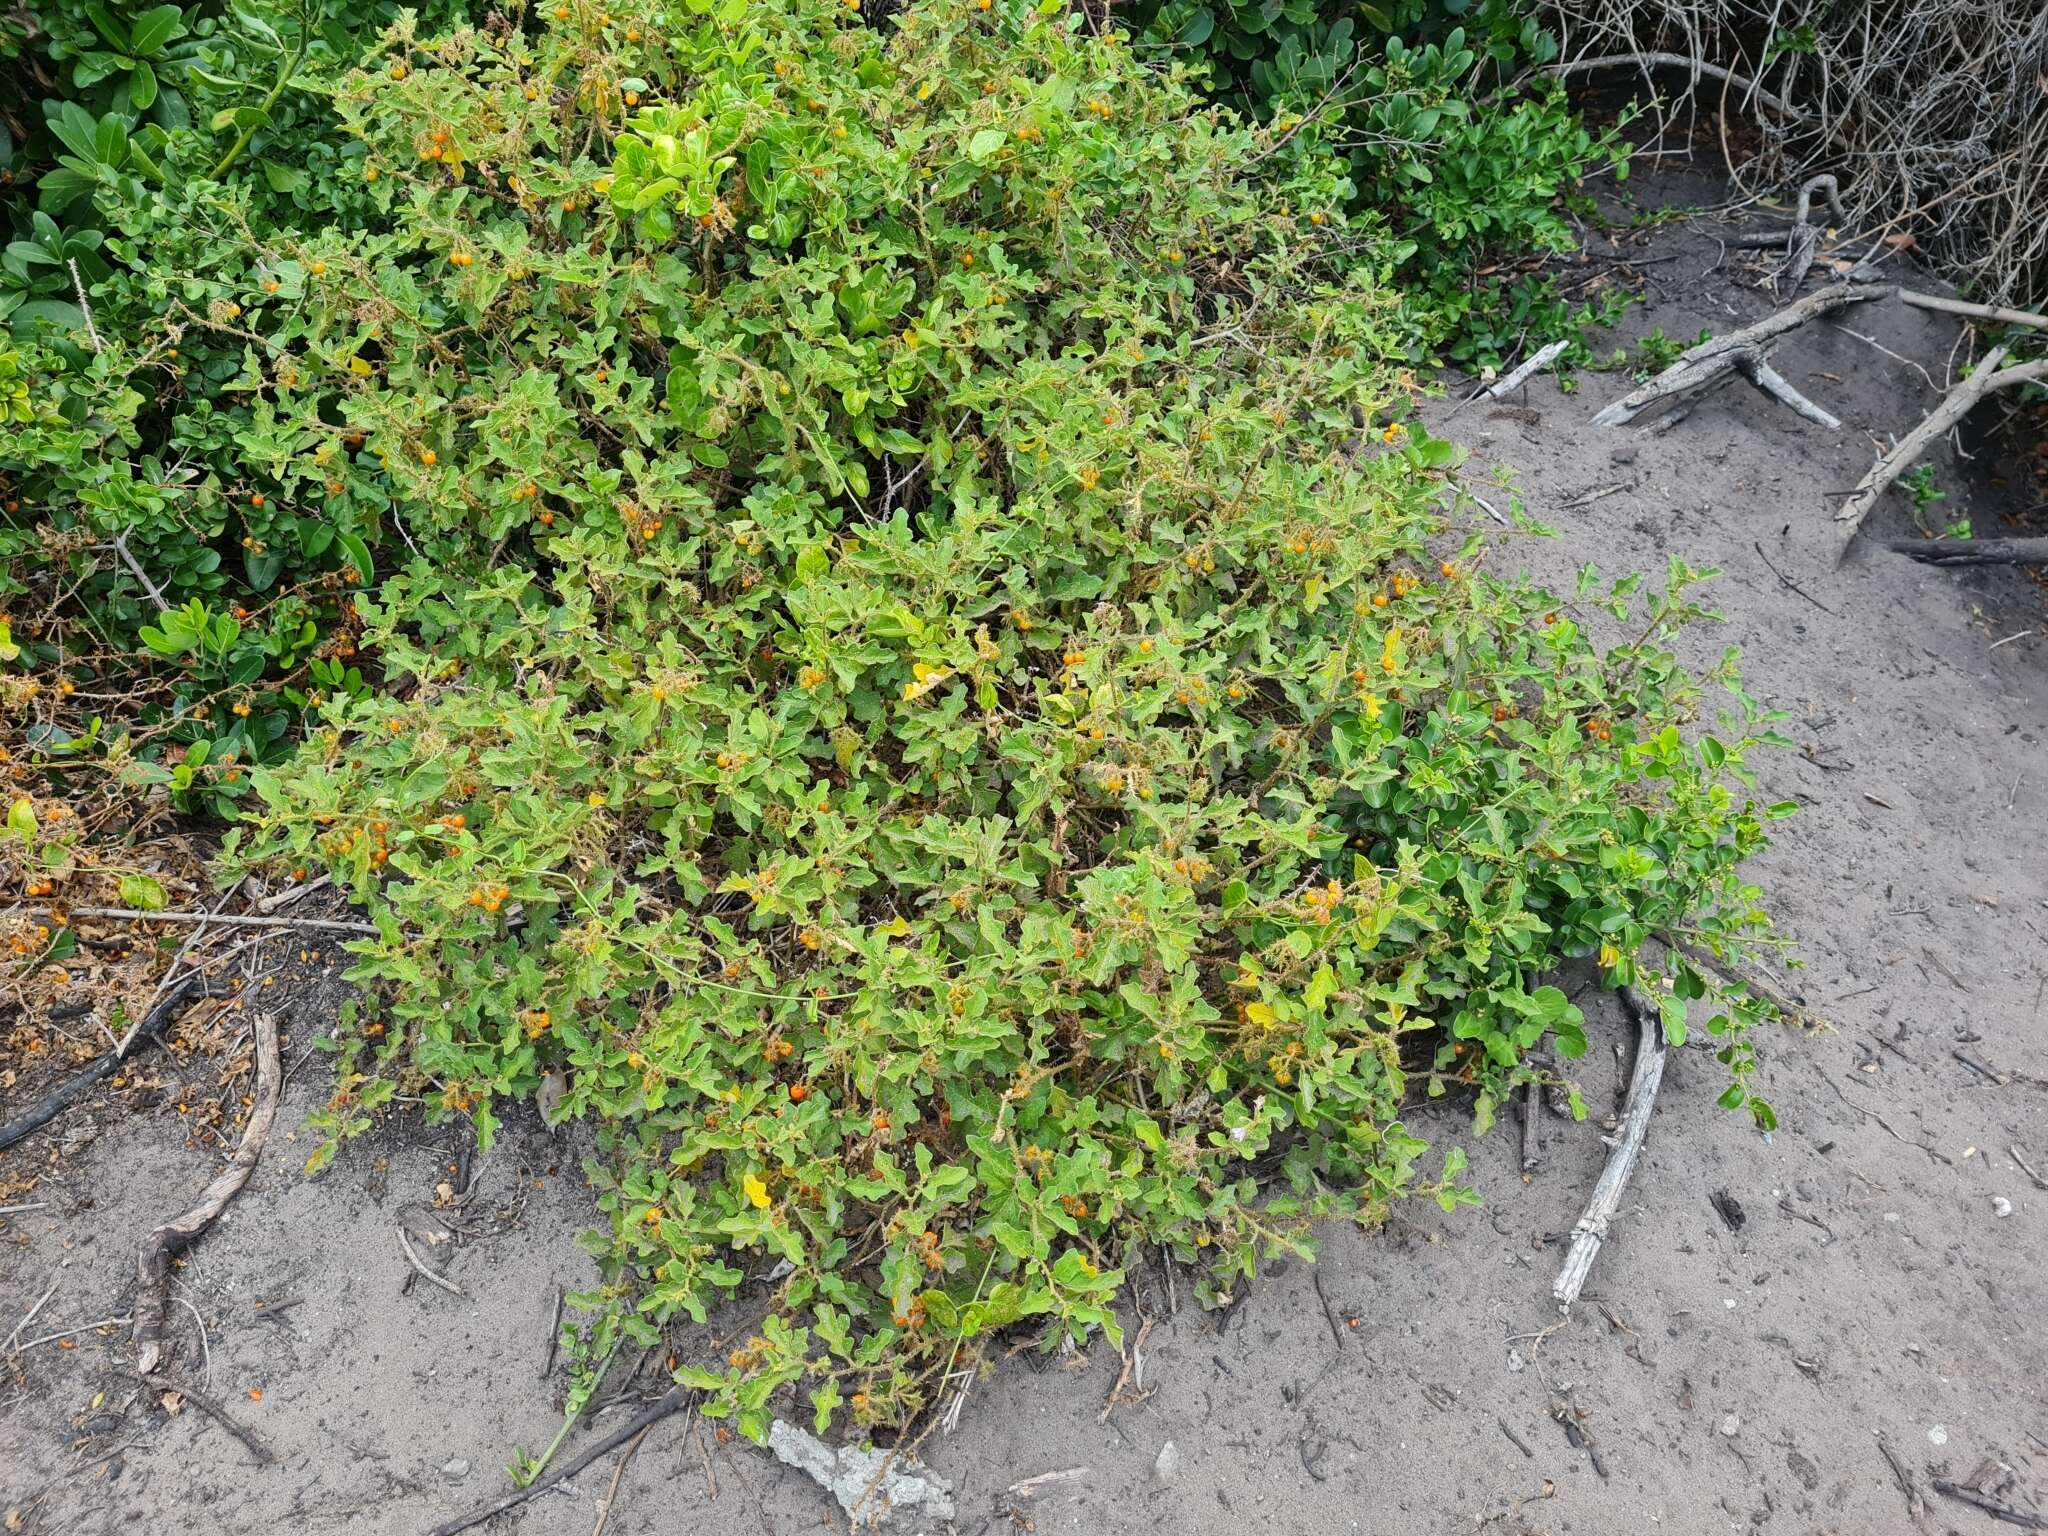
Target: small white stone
1731, 1426
1167, 1467
1939, 1434
2000, 1206
456, 1468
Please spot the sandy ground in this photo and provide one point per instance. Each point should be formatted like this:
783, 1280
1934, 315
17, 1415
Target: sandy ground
1718, 1380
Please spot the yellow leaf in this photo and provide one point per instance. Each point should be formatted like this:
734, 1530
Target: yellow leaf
359, 368
757, 1192
1261, 1015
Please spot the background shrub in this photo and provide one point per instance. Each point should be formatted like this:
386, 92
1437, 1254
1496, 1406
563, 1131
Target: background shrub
1469, 168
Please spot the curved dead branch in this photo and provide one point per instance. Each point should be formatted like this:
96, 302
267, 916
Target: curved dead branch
153, 1264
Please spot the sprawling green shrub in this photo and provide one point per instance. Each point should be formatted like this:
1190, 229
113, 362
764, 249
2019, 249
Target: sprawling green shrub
925, 689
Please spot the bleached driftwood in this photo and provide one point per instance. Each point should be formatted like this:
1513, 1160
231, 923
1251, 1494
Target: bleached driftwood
1740, 351
1528, 370
1987, 376
1591, 1229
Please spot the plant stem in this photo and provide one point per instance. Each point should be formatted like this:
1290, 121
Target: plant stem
284, 79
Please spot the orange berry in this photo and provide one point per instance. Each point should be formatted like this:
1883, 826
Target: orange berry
798, 1092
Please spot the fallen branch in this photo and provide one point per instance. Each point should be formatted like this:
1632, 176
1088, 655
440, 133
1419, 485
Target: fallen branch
1591, 1229
1987, 376
1711, 361
1758, 240
2025, 1520
160, 1384
153, 1264
1753, 366
58, 1099
1996, 314
674, 1400
1798, 262
1523, 374
1954, 552
1803, 239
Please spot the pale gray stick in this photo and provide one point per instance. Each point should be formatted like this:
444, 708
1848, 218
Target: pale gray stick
1523, 374
1700, 366
1591, 1230
1987, 376
1996, 314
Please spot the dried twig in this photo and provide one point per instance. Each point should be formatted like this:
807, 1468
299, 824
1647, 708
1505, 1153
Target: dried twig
155, 592
1116, 1393
1915, 1505
1032, 1485
30, 1316
1756, 368
611, 1496
84, 308
157, 1382
2026, 1168
1789, 584
2024, 1519
1591, 1229
419, 1264
72, 1333
1532, 1149
675, 1400
153, 1263
294, 893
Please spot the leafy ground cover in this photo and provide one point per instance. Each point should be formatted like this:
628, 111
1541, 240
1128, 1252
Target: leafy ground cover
858, 600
